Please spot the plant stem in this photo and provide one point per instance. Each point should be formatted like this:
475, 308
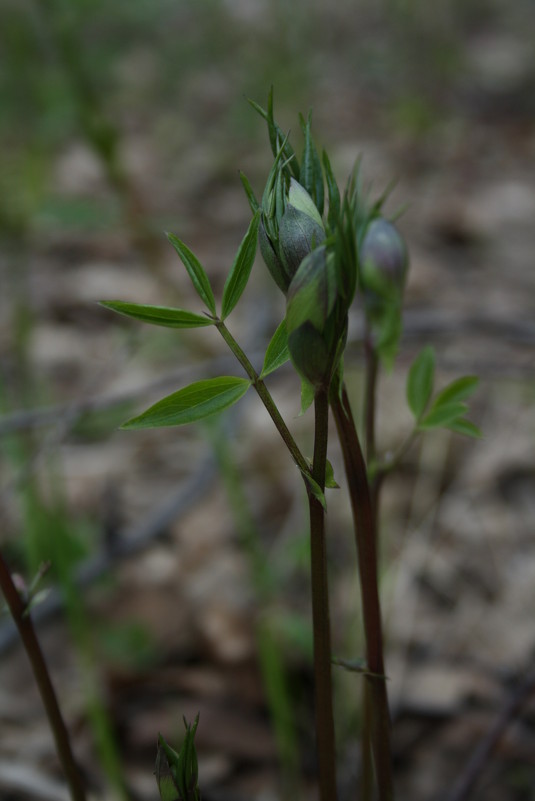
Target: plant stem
372, 370
24, 624
363, 517
263, 392
325, 739
320, 600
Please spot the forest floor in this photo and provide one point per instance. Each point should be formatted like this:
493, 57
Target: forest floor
164, 618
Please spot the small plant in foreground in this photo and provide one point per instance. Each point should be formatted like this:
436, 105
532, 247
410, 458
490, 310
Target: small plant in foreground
323, 262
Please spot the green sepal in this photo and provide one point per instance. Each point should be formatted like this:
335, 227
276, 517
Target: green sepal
158, 315
196, 272
276, 135
333, 193
277, 352
192, 403
311, 174
241, 269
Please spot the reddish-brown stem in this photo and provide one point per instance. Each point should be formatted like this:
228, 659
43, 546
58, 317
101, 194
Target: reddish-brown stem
370, 384
320, 612
29, 639
363, 516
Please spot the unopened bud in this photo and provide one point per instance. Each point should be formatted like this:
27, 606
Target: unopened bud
312, 321
288, 232
384, 254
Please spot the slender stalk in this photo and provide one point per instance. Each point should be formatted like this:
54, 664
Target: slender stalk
361, 505
265, 396
325, 739
320, 600
370, 384
29, 639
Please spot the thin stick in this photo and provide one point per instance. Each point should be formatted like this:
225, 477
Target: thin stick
477, 762
42, 677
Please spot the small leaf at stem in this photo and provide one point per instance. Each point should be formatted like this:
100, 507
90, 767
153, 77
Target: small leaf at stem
158, 315
442, 415
192, 403
315, 489
241, 269
307, 395
196, 272
277, 352
420, 381
465, 427
164, 773
330, 481
458, 390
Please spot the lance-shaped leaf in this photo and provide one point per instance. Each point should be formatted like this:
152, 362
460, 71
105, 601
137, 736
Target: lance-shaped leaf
311, 175
158, 315
277, 352
333, 193
420, 381
465, 427
241, 269
457, 391
276, 135
196, 272
165, 774
251, 197
192, 403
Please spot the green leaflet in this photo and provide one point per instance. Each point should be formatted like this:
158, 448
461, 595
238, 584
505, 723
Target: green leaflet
241, 269
194, 402
420, 381
158, 315
465, 427
458, 390
277, 352
196, 272
442, 415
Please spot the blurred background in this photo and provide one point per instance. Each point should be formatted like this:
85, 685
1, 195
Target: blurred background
179, 558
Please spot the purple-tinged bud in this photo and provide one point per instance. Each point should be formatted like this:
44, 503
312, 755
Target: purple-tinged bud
383, 253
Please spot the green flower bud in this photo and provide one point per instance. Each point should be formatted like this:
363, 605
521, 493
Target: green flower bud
315, 321
299, 234
299, 198
269, 254
384, 263
384, 254
291, 227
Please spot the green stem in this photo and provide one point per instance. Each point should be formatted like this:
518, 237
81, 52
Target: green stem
29, 639
263, 392
320, 611
363, 517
